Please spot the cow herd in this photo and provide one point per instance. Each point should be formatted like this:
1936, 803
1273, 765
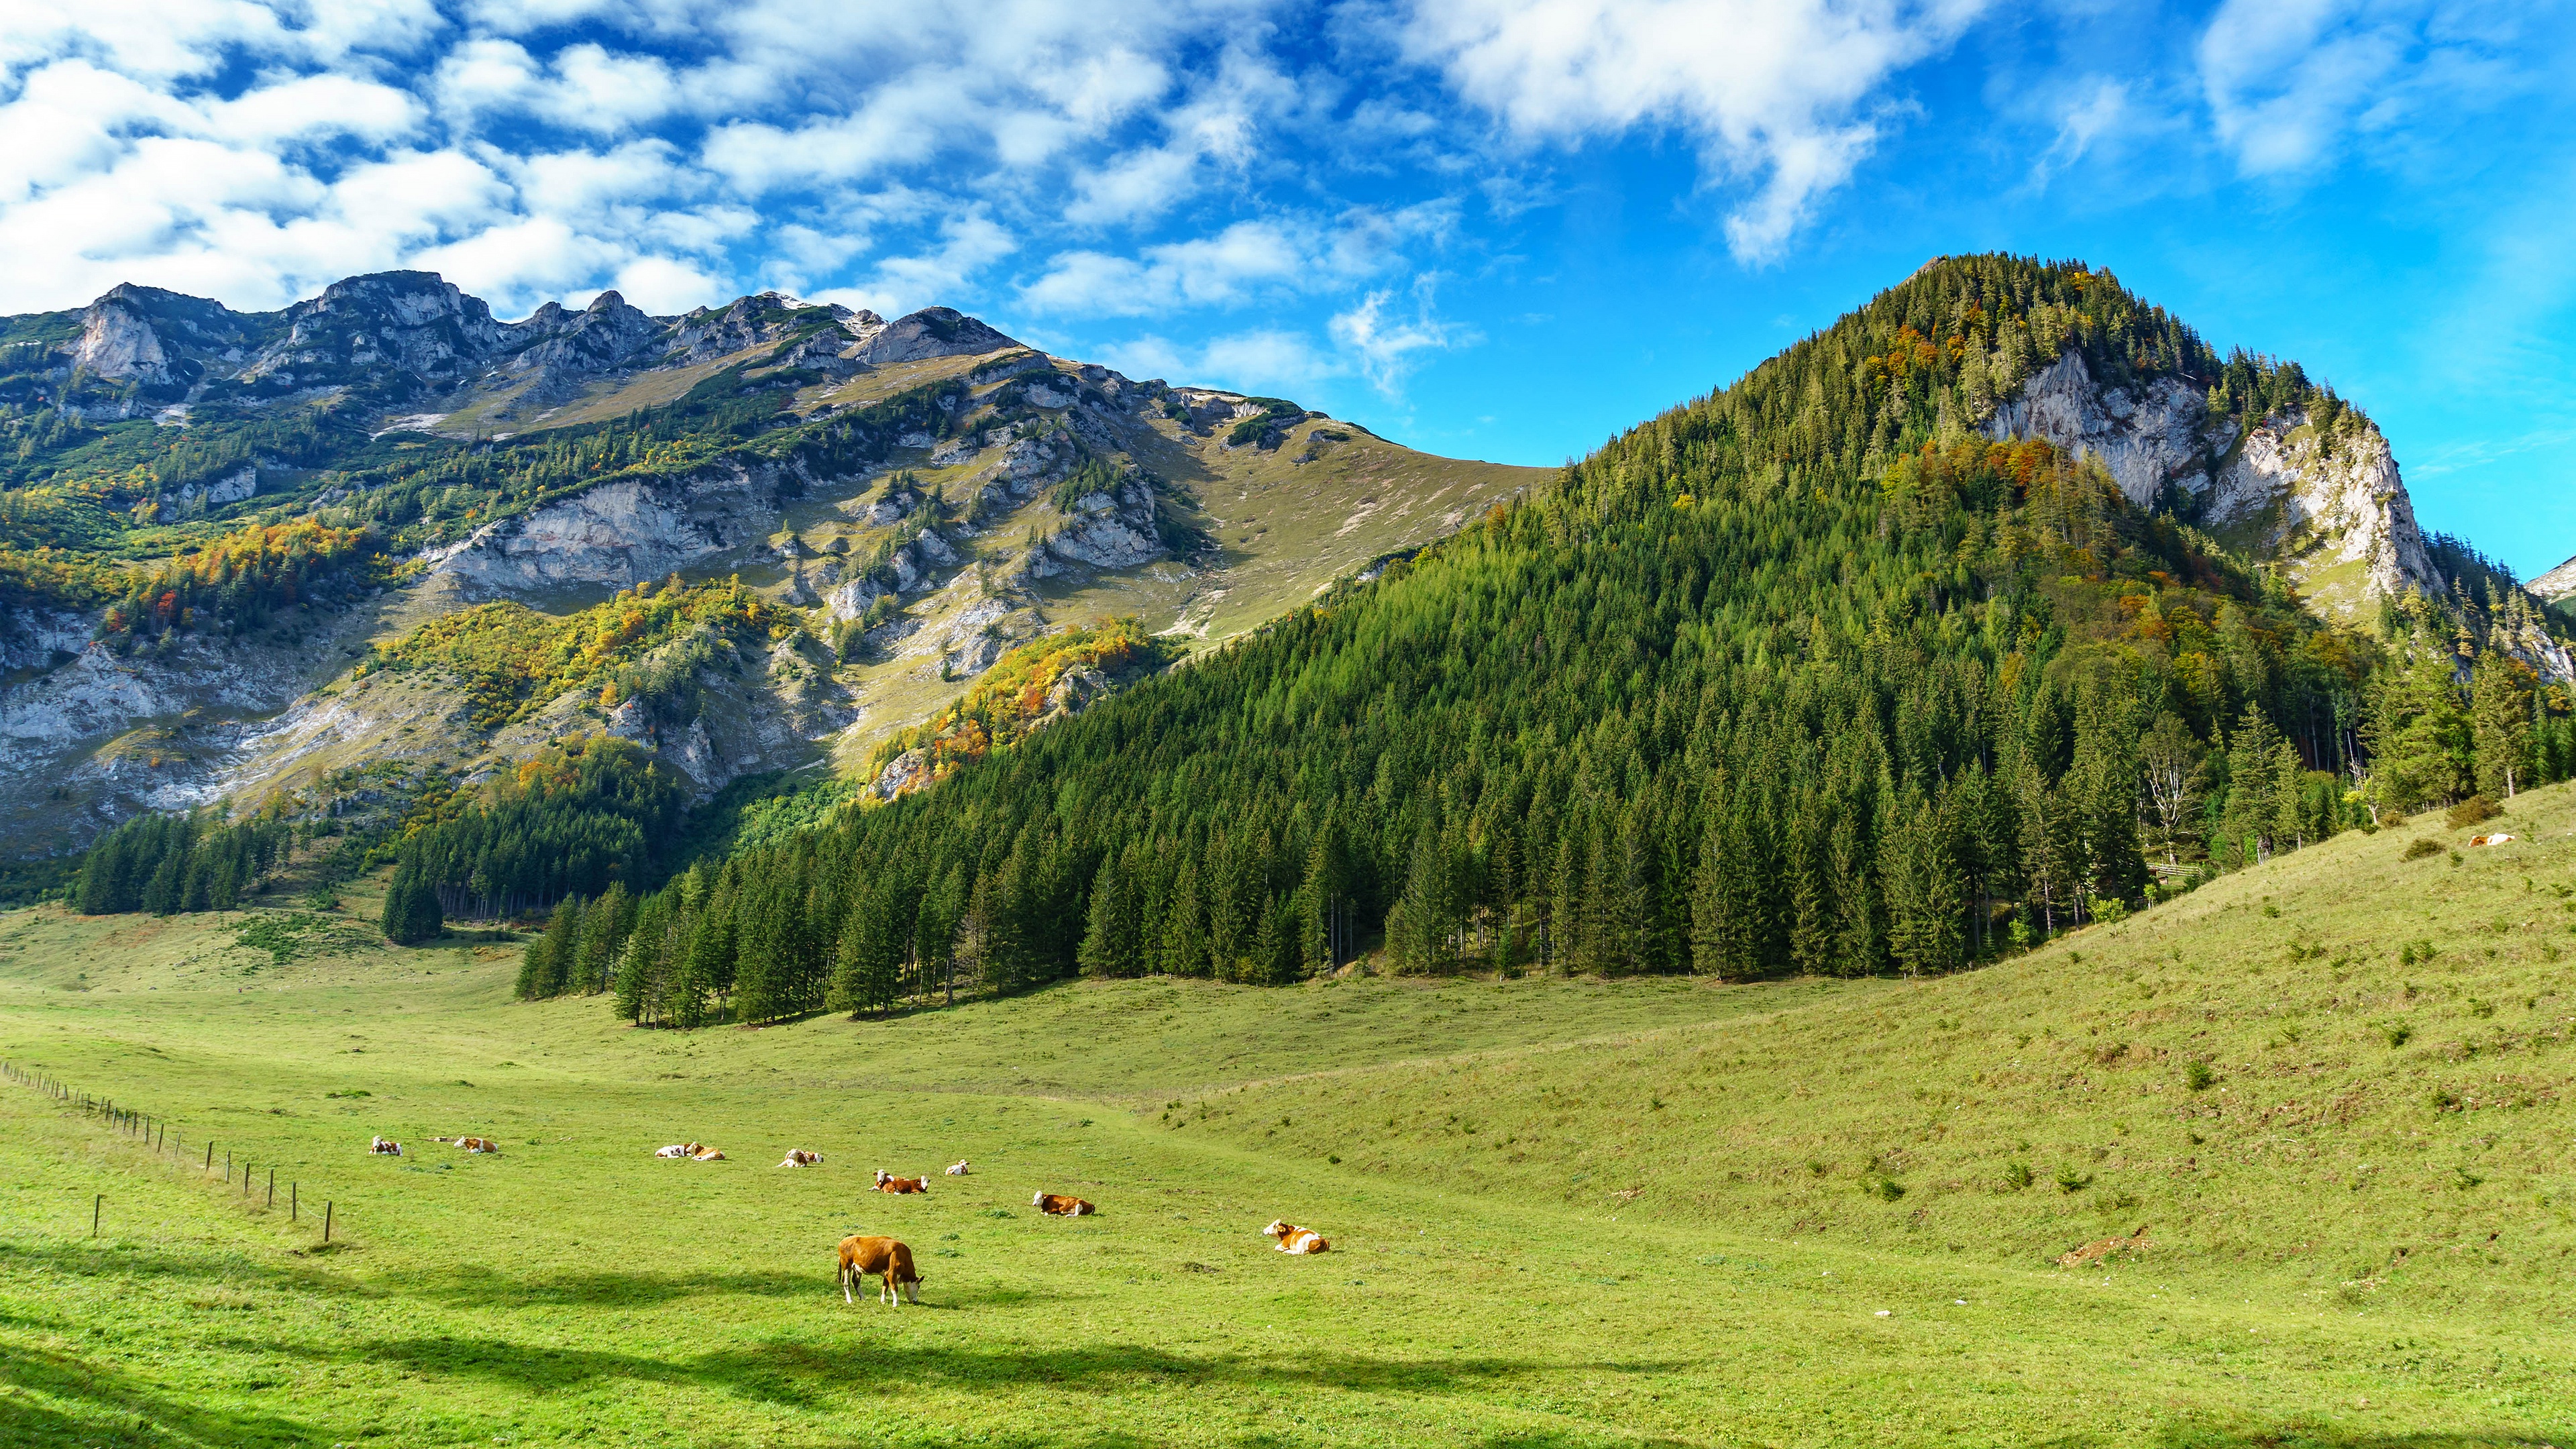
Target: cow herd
863, 1257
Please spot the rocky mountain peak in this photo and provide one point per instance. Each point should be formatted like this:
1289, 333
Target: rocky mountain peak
2321, 496
933, 332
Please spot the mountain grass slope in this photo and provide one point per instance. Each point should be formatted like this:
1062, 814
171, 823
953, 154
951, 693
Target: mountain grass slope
1566, 1212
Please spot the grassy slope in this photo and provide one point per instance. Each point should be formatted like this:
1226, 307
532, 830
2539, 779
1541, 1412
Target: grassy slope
1484, 1290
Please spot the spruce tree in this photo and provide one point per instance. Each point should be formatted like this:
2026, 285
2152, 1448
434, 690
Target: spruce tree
2500, 715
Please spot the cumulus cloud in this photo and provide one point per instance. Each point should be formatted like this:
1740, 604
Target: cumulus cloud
2291, 86
1387, 346
1777, 94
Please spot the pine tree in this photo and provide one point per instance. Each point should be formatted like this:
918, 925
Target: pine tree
2500, 715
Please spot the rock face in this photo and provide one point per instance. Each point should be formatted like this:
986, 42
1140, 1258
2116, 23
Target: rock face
2329, 504
932, 332
2556, 584
562, 346
615, 535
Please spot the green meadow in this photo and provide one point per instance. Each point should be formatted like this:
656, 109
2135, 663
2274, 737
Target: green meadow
2331, 1091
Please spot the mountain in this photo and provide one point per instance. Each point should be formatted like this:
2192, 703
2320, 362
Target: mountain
1921, 643
302, 555
1863, 659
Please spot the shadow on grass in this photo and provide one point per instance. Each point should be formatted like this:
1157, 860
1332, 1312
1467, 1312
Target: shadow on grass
2312, 1432
803, 1374
125, 1409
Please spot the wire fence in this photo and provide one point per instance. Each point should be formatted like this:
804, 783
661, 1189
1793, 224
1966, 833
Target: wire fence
154, 1133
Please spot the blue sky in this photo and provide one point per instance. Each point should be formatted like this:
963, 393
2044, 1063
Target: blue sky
1496, 228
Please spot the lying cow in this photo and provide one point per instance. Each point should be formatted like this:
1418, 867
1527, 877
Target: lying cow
957, 1168
679, 1149
706, 1154
863, 1257
2490, 840
799, 1157
476, 1144
1294, 1239
887, 1183
386, 1146
1056, 1204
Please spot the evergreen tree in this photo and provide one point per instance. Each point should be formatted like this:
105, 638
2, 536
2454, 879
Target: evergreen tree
2500, 714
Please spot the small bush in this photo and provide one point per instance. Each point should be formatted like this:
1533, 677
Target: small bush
2069, 1180
2398, 1033
1885, 1189
2198, 1076
2423, 847
2472, 810
2441, 1099
2017, 1175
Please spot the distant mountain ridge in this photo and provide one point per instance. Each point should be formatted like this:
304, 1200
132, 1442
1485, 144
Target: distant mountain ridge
905, 500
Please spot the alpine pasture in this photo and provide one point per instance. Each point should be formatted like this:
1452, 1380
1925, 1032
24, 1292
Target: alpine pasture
2331, 1091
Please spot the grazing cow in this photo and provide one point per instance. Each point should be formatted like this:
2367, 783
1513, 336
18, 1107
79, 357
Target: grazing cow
862, 1257
387, 1146
799, 1157
887, 1183
706, 1154
1294, 1239
1056, 1204
957, 1168
2095, 1252
679, 1149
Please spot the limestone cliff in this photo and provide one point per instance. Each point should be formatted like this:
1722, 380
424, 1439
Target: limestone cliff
2327, 503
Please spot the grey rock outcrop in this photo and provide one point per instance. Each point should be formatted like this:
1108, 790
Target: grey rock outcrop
615, 535
2330, 506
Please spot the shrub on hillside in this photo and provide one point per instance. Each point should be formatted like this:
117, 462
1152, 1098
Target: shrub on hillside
2472, 810
2423, 847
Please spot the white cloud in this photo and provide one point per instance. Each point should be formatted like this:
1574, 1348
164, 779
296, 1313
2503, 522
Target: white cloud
663, 287
1243, 263
942, 275
2291, 83
1776, 92
1388, 347
1263, 360
316, 105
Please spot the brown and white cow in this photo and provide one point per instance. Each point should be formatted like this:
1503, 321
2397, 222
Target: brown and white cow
957, 1168
1056, 1204
1294, 1239
476, 1144
706, 1154
678, 1149
385, 1146
886, 1182
865, 1257
799, 1157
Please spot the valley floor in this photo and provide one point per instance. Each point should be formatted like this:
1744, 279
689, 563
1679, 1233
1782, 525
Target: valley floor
1563, 1213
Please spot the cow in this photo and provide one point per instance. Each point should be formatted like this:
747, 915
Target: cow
799, 1157
678, 1149
1056, 1204
2105, 1249
476, 1144
957, 1168
888, 1183
386, 1146
706, 1154
2490, 840
862, 1257
1294, 1239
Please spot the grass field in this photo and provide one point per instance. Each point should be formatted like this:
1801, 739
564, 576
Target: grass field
2333, 1089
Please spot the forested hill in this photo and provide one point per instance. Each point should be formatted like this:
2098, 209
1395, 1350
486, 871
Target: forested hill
1812, 674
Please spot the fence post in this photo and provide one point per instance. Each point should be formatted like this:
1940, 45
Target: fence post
95, 1209
326, 1221
210, 1154
294, 1209
272, 1188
